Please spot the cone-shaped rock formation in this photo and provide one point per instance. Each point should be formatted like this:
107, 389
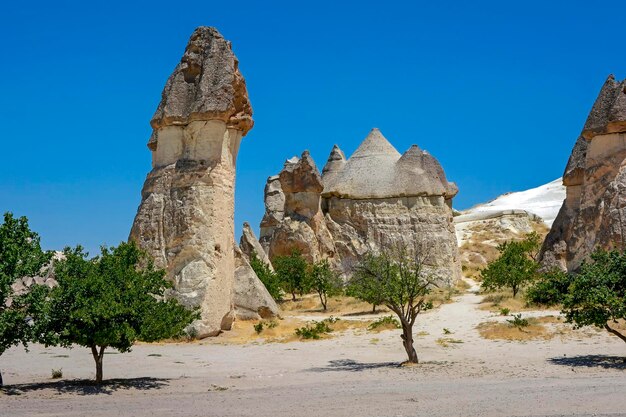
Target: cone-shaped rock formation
593, 214
376, 199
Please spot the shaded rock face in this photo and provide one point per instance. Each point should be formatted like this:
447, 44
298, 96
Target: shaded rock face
374, 200
185, 219
250, 246
251, 299
593, 214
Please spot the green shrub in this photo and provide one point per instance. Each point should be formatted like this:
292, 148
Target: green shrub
504, 311
518, 321
384, 322
258, 328
314, 330
57, 373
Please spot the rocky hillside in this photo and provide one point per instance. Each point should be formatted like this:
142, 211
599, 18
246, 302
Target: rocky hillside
482, 228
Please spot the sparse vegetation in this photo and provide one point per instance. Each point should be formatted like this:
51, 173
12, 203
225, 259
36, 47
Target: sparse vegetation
57, 373
505, 311
258, 328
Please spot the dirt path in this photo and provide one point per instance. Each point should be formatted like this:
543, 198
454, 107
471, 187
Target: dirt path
348, 375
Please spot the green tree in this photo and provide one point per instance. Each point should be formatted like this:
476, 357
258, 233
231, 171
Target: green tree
110, 301
403, 283
268, 277
20, 256
515, 267
324, 281
593, 296
292, 273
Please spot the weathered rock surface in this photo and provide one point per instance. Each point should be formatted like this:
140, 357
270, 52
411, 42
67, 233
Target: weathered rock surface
251, 299
186, 216
250, 246
593, 213
376, 199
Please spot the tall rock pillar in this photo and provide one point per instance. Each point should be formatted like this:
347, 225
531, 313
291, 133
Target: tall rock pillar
186, 216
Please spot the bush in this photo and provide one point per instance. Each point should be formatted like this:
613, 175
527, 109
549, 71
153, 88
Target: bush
57, 373
549, 289
258, 328
386, 321
314, 330
504, 311
518, 321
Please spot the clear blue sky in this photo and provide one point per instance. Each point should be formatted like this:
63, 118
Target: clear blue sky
498, 91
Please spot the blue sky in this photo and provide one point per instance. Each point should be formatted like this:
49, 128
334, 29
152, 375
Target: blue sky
497, 91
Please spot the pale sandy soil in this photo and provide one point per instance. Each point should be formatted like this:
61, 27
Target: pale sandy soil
353, 374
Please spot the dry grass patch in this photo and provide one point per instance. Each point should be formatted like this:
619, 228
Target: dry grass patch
338, 306
498, 300
447, 341
535, 330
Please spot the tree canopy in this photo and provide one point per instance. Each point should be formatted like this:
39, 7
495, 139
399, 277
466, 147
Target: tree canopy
20, 256
515, 267
112, 301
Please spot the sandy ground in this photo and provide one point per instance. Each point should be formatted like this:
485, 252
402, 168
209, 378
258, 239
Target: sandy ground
354, 374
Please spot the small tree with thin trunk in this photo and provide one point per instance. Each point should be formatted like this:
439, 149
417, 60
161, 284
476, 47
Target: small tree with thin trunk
515, 267
20, 256
403, 283
324, 281
292, 273
110, 301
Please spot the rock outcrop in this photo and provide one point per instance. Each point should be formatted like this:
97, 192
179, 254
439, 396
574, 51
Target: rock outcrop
186, 216
251, 299
593, 214
375, 199
250, 246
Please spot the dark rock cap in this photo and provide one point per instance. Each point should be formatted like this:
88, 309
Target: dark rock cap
608, 114
206, 85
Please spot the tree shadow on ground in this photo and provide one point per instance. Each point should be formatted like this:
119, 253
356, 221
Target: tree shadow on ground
591, 361
350, 365
87, 386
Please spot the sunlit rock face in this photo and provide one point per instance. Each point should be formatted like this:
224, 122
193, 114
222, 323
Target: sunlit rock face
593, 214
377, 199
186, 216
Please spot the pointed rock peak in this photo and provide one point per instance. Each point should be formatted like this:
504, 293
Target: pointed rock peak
375, 144
336, 160
336, 154
608, 114
413, 152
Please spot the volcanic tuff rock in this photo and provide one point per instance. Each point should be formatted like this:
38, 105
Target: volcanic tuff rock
185, 219
594, 211
250, 246
374, 200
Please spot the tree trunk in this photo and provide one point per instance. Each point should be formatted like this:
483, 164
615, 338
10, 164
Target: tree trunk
606, 326
323, 300
0, 378
293, 296
98, 356
514, 290
373, 308
407, 341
